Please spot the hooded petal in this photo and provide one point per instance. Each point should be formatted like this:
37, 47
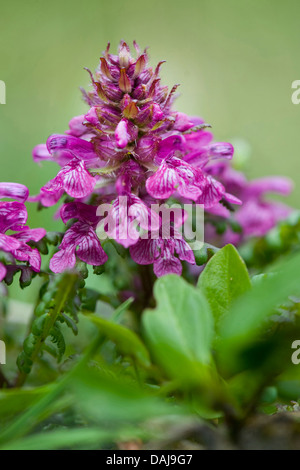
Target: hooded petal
221, 150
274, 184
183, 122
79, 210
170, 145
167, 263
13, 216
76, 126
51, 192
41, 153
14, 191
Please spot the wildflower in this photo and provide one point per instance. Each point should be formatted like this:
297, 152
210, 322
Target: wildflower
80, 241
131, 143
13, 217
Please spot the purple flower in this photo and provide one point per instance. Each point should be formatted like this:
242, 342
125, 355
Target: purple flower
17, 191
128, 218
13, 217
80, 241
175, 174
73, 179
257, 215
131, 143
161, 252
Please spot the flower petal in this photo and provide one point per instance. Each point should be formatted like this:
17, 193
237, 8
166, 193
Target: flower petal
8, 243
62, 260
14, 190
167, 264
162, 184
57, 143
144, 251
121, 134
90, 250
34, 234
2, 272
13, 216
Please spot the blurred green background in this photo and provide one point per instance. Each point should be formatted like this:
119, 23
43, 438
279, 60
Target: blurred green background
235, 61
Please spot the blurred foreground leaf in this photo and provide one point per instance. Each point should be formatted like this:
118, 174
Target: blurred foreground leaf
180, 329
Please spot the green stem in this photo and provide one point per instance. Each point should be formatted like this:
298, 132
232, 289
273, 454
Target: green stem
65, 287
4, 383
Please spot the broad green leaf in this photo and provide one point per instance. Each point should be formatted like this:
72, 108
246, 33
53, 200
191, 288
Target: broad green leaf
127, 342
240, 328
63, 439
179, 330
13, 401
223, 280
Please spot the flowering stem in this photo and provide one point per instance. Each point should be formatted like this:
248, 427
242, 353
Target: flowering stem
147, 283
65, 287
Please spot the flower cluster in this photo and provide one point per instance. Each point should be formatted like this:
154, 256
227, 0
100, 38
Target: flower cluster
14, 245
257, 215
130, 143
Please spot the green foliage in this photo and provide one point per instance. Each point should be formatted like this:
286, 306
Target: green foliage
220, 349
224, 279
58, 304
179, 331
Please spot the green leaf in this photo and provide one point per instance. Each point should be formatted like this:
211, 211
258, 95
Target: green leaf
104, 399
92, 437
180, 329
240, 328
223, 280
127, 342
